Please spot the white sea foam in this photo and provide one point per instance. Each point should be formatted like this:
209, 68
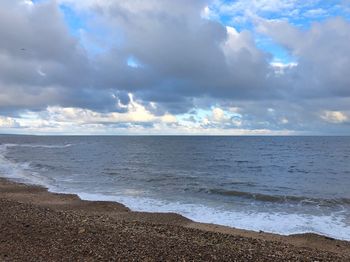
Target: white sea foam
37, 145
20, 172
280, 223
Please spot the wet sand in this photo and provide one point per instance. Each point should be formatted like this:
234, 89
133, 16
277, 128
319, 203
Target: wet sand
36, 225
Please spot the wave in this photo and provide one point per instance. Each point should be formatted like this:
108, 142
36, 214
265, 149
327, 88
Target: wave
20, 172
281, 198
332, 225
37, 145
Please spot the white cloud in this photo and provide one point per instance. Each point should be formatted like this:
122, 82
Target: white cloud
228, 118
249, 8
40, 71
314, 13
8, 122
68, 120
237, 42
280, 68
136, 113
284, 120
243, 11
76, 120
218, 115
335, 117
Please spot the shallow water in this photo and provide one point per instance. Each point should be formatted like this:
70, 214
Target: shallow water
276, 184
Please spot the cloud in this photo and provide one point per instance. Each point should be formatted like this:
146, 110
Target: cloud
39, 60
148, 64
335, 117
322, 53
218, 115
57, 118
183, 56
136, 121
295, 12
135, 113
7, 122
319, 12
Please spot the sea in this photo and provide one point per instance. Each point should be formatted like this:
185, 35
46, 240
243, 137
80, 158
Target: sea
285, 185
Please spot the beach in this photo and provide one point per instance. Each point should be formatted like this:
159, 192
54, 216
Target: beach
36, 225
174, 130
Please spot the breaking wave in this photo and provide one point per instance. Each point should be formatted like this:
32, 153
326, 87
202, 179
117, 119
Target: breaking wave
281, 198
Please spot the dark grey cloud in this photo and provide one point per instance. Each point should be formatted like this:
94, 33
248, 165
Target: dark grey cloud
41, 64
184, 61
181, 55
36, 39
323, 55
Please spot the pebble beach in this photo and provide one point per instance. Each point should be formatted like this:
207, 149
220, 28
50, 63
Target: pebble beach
37, 225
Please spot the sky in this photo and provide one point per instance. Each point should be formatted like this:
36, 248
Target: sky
165, 67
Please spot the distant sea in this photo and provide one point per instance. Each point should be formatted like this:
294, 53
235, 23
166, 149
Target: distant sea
283, 185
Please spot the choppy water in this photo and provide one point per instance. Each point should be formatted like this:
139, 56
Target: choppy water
276, 184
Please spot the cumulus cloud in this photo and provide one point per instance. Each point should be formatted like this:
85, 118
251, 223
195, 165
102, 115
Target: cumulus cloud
39, 59
218, 115
160, 60
323, 56
135, 113
7, 122
183, 55
336, 117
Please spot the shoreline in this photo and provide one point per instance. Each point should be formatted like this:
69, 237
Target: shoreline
204, 241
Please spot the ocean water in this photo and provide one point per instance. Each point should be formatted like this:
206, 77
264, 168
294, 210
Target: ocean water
283, 185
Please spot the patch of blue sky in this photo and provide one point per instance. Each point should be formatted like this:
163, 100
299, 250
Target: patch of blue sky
303, 19
279, 53
301, 14
94, 37
199, 111
240, 23
76, 22
99, 39
197, 117
318, 13
134, 62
